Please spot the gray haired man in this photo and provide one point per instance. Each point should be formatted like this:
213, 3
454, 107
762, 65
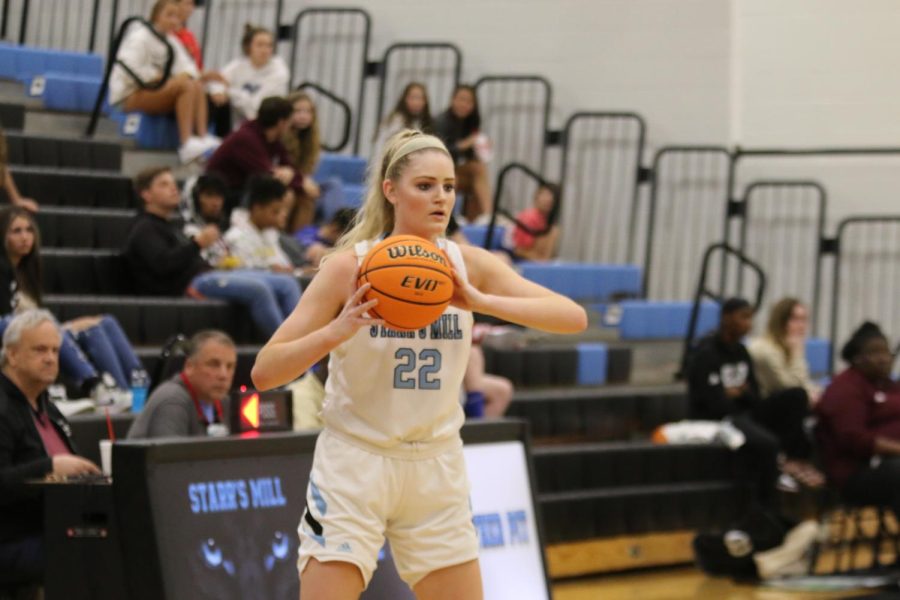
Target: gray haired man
34, 439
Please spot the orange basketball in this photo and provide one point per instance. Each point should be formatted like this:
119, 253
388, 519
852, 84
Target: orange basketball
411, 278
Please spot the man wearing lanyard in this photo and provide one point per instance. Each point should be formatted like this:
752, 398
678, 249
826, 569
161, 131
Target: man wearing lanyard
190, 404
34, 443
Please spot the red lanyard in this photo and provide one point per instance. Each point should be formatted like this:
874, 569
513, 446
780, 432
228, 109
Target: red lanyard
200, 414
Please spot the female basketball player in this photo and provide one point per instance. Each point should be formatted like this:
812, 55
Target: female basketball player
389, 461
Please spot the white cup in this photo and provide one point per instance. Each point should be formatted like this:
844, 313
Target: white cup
106, 456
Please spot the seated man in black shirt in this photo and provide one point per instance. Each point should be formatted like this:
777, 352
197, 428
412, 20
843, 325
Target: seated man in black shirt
722, 385
34, 441
165, 262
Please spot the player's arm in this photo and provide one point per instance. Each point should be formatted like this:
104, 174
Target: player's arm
497, 290
329, 312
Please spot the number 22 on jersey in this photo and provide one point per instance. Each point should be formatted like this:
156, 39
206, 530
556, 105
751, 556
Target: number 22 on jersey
417, 371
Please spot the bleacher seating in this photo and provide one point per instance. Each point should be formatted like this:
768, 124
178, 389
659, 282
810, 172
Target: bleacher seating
76, 187
43, 151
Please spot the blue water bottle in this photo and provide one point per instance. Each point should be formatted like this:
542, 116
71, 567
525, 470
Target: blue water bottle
140, 381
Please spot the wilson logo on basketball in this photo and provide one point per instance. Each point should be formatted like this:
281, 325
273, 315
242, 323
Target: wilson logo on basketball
420, 283
415, 251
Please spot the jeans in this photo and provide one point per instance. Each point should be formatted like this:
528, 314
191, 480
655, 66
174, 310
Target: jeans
270, 297
72, 361
110, 350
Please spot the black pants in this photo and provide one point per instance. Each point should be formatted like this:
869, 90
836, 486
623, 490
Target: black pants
21, 564
774, 426
783, 414
878, 486
220, 118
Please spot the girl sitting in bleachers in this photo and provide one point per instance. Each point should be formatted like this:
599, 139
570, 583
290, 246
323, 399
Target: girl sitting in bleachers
256, 75
92, 346
141, 59
411, 112
303, 143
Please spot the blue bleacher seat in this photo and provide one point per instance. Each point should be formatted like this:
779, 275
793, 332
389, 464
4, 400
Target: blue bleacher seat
585, 282
476, 234
349, 169
642, 319
24, 64
592, 363
818, 355
75, 93
151, 132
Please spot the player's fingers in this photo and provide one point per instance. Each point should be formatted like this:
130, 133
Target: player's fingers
358, 294
361, 308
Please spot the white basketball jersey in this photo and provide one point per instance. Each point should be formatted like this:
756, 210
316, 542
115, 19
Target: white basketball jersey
398, 390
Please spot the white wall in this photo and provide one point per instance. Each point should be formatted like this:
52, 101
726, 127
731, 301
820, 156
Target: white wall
668, 60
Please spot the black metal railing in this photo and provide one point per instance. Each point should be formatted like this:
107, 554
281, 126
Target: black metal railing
437, 65
515, 115
112, 61
600, 176
318, 94
687, 213
866, 276
56, 24
330, 47
782, 224
703, 291
500, 207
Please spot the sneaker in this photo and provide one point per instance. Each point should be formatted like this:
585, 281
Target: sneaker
104, 391
193, 149
211, 143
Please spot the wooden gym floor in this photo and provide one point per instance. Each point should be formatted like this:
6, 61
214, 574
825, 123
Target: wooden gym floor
683, 583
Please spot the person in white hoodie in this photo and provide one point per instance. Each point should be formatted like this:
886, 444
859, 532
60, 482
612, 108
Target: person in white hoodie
254, 241
142, 57
256, 75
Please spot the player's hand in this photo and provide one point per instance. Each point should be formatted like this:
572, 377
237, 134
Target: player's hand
69, 465
466, 296
352, 317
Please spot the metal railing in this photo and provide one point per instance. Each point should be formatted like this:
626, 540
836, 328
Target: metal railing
330, 48
866, 276
500, 209
687, 213
112, 61
782, 224
319, 92
515, 114
703, 292
599, 177
57, 24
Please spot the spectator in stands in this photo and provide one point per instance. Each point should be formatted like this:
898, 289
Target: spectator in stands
216, 86
256, 149
202, 204
410, 112
6, 179
722, 385
34, 442
486, 395
100, 337
191, 401
165, 262
859, 423
257, 75
779, 355
315, 246
142, 58
459, 128
255, 241
303, 146
533, 237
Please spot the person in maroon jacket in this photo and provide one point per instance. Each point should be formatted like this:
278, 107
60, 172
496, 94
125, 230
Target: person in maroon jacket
256, 149
859, 423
